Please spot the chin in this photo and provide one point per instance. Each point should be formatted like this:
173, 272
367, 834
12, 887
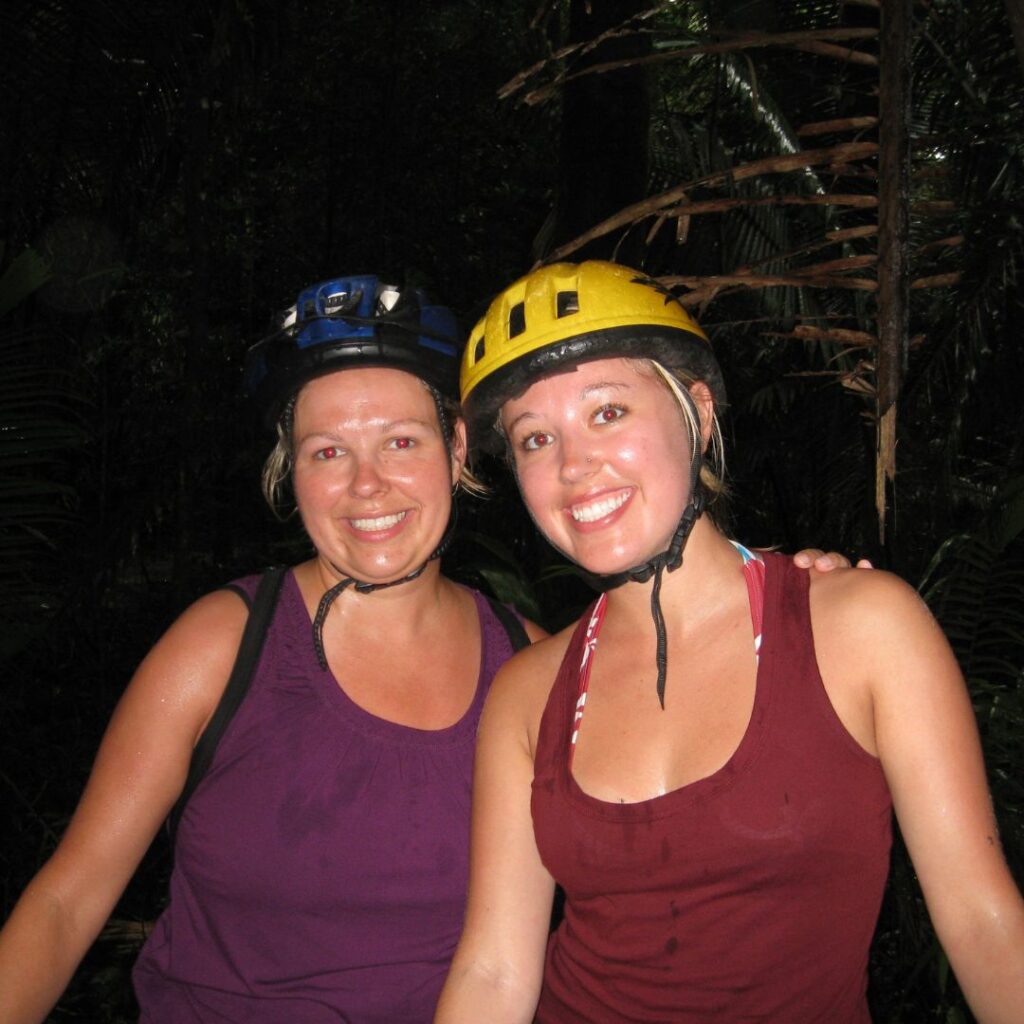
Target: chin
603, 562
610, 560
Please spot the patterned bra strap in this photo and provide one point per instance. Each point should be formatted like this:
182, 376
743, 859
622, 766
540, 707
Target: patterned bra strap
753, 574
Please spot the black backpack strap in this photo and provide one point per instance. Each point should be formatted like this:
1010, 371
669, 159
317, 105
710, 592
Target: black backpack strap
260, 613
517, 636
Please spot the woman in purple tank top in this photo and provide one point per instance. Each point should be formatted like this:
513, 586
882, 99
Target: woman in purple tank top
320, 864
707, 762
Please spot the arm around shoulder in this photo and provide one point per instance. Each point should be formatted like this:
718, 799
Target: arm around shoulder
497, 970
139, 771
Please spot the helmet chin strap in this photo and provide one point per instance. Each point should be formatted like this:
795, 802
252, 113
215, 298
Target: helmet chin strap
368, 588
671, 559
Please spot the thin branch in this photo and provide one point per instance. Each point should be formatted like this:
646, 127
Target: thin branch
746, 41
936, 281
940, 243
716, 281
581, 47
722, 205
838, 335
829, 239
683, 213
770, 165
839, 265
862, 231
843, 53
841, 124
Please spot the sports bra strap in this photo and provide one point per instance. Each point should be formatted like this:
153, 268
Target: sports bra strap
753, 575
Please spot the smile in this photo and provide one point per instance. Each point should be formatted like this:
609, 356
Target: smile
590, 513
380, 523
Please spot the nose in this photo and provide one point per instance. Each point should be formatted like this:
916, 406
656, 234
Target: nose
367, 480
579, 459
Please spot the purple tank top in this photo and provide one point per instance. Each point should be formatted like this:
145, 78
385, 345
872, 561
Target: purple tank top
321, 865
747, 896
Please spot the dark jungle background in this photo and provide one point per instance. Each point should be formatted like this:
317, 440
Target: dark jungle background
173, 171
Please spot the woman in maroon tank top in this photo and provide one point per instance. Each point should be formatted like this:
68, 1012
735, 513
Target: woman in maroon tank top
708, 761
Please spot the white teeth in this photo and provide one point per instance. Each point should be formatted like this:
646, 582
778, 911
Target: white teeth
380, 523
599, 509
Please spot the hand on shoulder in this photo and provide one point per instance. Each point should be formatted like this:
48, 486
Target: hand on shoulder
825, 561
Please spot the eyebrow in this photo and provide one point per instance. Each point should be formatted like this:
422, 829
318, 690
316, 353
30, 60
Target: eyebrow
604, 385
387, 428
411, 421
588, 392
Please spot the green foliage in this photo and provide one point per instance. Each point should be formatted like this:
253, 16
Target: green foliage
41, 408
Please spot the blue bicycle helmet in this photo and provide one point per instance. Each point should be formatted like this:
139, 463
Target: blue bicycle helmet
353, 322
347, 323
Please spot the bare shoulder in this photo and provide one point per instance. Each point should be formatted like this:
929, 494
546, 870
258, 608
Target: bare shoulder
876, 601
143, 759
881, 654
876, 626
189, 665
540, 660
521, 687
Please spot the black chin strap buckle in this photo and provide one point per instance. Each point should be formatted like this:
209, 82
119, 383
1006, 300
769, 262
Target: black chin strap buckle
692, 512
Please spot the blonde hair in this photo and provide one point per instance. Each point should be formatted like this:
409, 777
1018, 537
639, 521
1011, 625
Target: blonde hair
277, 469
712, 467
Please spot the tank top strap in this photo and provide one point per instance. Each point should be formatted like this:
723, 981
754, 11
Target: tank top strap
753, 576
557, 727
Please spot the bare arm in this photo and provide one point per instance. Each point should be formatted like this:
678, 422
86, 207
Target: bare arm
139, 771
927, 740
497, 970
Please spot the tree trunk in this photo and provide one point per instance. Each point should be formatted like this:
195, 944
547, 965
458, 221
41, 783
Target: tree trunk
193, 184
605, 127
893, 231
1015, 12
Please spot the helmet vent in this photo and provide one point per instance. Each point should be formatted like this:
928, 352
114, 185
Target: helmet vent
567, 303
479, 349
516, 320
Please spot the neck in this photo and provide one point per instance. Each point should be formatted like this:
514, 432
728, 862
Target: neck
403, 605
690, 593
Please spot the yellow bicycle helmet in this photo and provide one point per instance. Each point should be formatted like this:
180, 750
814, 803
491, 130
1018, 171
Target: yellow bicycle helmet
568, 313
565, 314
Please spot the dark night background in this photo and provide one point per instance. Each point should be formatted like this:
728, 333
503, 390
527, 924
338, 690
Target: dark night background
172, 173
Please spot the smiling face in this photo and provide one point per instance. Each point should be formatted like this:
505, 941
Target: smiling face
602, 455
372, 475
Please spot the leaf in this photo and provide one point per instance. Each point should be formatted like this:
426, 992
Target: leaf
26, 273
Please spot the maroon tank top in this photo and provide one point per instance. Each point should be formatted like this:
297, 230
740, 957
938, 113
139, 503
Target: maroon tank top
749, 895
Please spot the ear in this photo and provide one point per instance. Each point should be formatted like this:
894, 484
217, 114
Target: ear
460, 449
705, 403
